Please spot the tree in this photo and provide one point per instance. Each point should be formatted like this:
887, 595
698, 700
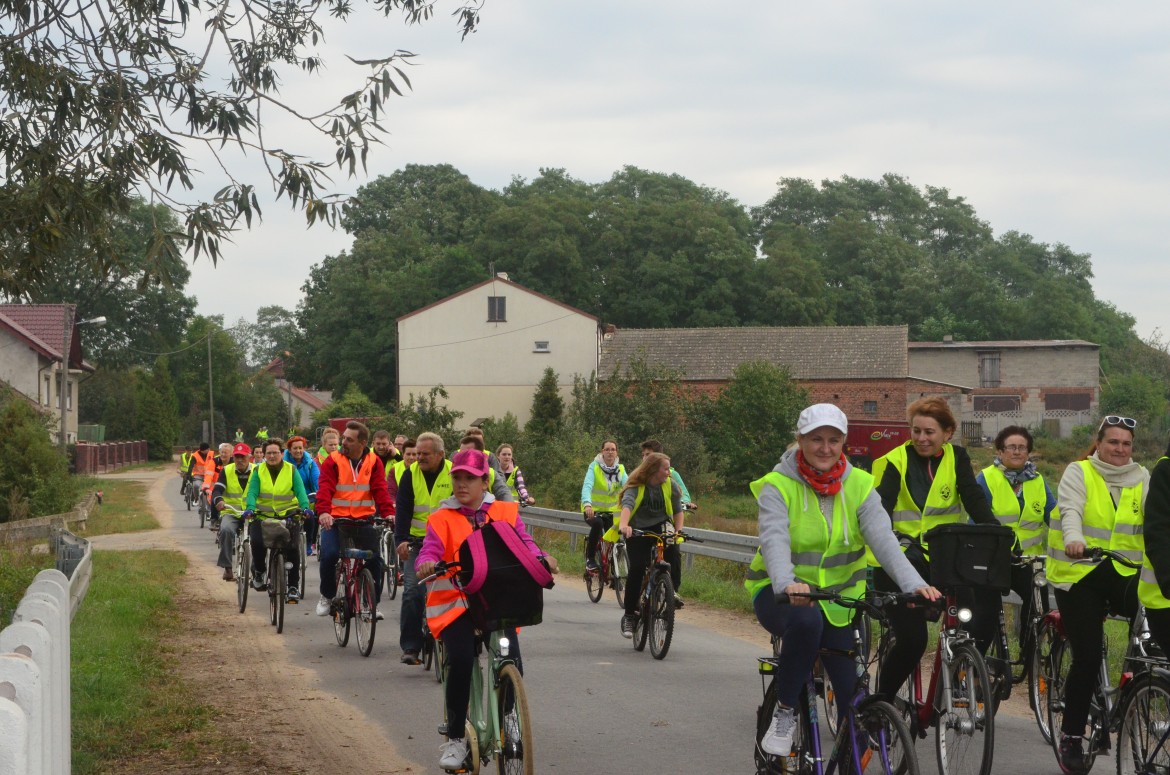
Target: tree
157, 411
107, 98
271, 336
34, 477
548, 408
353, 403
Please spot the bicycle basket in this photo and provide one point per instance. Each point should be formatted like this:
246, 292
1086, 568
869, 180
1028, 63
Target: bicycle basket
275, 534
971, 556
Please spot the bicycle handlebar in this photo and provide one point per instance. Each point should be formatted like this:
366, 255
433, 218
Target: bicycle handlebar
1099, 553
441, 569
684, 535
872, 603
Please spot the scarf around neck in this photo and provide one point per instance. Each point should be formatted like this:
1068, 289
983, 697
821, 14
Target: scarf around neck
1017, 476
611, 472
822, 482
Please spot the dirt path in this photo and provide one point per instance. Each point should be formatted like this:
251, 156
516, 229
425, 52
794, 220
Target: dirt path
287, 726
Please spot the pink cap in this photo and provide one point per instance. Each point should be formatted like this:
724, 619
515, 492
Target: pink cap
472, 461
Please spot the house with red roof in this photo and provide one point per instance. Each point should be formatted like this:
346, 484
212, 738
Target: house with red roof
33, 338
301, 402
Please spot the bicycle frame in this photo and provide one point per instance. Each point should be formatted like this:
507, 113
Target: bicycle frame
925, 714
1028, 630
487, 725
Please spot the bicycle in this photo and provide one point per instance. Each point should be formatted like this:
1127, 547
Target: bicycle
390, 566
355, 599
190, 492
204, 508
613, 568
1143, 734
278, 567
1104, 707
654, 620
874, 737
499, 722
242, 558
957, 702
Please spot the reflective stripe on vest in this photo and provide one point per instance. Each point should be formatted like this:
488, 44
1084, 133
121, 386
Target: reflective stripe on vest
276, 497
827, 557
1104, 526
352, 496
427, 501
942, 507
604, 495
1027, 521
445, 604
233, 493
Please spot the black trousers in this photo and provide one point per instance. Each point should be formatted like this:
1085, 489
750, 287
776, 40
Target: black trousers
459, 640
1083, 608
598, 524
641, 551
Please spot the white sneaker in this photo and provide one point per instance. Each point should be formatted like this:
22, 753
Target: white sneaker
778, 739
323, 604
453, 753
378, 614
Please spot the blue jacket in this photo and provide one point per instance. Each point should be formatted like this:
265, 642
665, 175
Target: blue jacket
308, 470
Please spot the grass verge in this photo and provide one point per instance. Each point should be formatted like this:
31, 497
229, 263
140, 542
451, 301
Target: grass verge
18, 567
123, 508
127, 701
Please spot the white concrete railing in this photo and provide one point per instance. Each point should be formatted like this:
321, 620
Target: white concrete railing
35, 703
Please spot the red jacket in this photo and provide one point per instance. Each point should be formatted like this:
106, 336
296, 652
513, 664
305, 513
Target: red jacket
327, 485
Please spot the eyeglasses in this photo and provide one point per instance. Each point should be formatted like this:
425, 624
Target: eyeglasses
1113, 420
1015, 448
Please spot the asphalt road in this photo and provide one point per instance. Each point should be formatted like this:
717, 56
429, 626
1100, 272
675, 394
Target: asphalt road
597, 705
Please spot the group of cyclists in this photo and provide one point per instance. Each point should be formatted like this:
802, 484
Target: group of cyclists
825, 525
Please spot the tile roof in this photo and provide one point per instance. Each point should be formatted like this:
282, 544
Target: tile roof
22, 333
812, 352
1001, 345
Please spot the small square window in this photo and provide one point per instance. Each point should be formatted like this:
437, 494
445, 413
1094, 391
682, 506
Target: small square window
540, 347
497, 309
870, 407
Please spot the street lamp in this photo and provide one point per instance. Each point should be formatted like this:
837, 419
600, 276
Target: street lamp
66, 346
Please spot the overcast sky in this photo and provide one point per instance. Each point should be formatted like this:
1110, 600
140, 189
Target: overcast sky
1050, 118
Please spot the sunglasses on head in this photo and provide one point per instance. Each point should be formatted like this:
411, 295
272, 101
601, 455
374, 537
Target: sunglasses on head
1114, 420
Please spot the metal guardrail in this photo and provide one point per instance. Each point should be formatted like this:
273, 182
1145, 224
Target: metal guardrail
724, 546
35, 694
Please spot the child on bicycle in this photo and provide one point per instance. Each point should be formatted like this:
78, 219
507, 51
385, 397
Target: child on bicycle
817, 515
470, 506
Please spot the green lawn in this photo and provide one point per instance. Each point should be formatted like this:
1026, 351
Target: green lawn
123, 508
18, 567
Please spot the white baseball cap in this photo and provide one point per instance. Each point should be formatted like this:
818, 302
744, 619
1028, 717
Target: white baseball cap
820, 416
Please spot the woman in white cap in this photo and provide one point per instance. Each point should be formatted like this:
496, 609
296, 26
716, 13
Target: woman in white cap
817, 516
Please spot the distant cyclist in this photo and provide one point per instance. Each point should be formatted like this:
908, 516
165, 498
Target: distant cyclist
513, 477
230, 489
599, 495
274, 490
330, 440
309, 471
675, 557
185, 460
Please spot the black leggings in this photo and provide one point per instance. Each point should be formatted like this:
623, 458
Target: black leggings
1083, 608
640, 551
459, 640
598, 524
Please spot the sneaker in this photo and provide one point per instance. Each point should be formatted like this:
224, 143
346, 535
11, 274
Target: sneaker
258, 581
777, 741
1072, 754
678, 602
453, 753
410, 658
227, 575
627, 626
591, 566
378, 614
293, 595
323, 606
308, 550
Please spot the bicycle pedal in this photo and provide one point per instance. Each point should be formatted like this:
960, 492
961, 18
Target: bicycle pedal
443, 729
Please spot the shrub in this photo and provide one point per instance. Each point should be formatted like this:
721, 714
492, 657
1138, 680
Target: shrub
31, 464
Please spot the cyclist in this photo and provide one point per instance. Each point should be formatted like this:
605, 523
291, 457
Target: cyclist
275, 489
512, 476
258, 454
201, 461
386, 452
239, 435
262, 434
1101, 499
230, 488
218, 464
650, 501
421, 489
497, 482
330, 440
309, 471
409, 455
185, 468
470, 506
604, 478
817, 515
1021, 499
353, 486
924, 483
653, 445
1154, 580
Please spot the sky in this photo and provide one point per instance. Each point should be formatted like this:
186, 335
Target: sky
1049, 118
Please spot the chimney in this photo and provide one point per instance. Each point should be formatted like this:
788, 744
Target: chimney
502, 275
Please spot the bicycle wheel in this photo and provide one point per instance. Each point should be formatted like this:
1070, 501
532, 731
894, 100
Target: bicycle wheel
593, 585
390, 564
366, 613
440, 653
642, 626
515, 744
243, 572
427, 655
965, 731
187, 497
1058, 663
884, 743
619, 571
339, 608
202, 511
1143, 740
1040, 675
801, 761
661, 615
828, 697
302, 548
277, 588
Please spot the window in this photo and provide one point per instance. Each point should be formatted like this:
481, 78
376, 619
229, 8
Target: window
48, 394
540, 347
989, 369
68, 396
497, 309
870, 407
997, 404
1072, 402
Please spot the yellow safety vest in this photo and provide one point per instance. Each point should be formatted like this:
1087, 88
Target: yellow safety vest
233, 493
614, 533
396, 471
511, 481
829, 558
1028, 522
604, 496
943, 506
1149, 592
1118, 528
427, 502
276, 497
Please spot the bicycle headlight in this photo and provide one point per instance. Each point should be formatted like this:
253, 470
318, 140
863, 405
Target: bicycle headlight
964, 615
505, 644
1040, 580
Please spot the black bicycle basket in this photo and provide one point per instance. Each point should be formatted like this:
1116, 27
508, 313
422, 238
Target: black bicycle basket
964, 555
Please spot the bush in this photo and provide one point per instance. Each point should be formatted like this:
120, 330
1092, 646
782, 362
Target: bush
32, 471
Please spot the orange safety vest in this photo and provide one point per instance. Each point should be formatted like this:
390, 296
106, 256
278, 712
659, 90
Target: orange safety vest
204, 467
352, 498
445, 603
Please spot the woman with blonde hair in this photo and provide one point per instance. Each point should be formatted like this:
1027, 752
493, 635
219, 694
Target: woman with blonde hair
650, 500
